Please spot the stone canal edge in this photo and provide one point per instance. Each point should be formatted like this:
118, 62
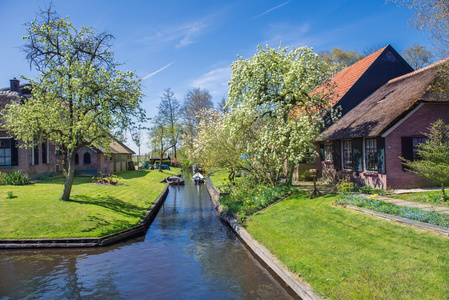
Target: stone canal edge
106, 240
302, 289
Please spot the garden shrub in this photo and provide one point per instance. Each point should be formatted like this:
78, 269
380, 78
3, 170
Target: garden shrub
345, 186
110, 179
3, 180
175, 162
247, 197
17, 178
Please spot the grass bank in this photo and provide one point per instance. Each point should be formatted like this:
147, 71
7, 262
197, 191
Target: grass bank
347, 255
94, 209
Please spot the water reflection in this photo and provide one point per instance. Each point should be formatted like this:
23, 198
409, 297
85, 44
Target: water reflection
187, 253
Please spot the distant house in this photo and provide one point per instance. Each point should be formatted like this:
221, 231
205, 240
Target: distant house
365, 144
92, 160
44, 159
358, 81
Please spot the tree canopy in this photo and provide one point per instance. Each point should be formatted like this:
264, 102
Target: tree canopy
417, 56
339, 59
80, 97
275, 111
433, 16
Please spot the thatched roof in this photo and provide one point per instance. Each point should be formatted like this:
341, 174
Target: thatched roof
387, 105
115, 147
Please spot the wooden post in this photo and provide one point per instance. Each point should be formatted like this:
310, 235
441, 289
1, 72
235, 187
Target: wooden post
314, 174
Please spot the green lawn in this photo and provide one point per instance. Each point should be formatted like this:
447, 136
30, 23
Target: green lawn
219, 177
94, 209
348, 255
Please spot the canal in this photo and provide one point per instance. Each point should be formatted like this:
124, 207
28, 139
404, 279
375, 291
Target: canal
187, 253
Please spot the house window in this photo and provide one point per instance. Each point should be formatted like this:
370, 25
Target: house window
310, 159
416, 142
371, 154
87, 158
347, 155
46, 152
32, 155
5, 152
77, 159
328, 152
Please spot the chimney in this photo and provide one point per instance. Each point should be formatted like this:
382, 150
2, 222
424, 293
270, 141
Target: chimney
14, 85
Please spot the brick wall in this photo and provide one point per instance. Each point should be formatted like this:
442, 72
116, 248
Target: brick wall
415, 125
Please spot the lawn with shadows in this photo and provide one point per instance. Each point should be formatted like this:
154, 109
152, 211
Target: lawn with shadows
93, 210
348, 255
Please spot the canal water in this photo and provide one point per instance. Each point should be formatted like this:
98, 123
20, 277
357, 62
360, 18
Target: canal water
187, 253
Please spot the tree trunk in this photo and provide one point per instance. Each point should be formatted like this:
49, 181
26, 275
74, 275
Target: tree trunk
289, 175
70, 176
231, 176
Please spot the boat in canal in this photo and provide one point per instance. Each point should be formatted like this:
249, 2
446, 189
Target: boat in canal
198, 178
174, 180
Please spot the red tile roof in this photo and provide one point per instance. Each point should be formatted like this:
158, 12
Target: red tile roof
346, 78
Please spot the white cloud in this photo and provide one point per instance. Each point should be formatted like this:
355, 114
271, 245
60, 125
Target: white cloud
155, 72
182, 34
216, 81
273, 8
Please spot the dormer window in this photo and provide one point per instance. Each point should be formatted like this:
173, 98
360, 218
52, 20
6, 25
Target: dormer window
389, 57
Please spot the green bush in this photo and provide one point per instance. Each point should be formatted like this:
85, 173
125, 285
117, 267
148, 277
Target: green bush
3, 178
304, 175
247, 197
345, 186
17, 178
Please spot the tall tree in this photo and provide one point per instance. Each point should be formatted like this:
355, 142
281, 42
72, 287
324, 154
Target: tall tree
160, 138
274, 113
214, 147
370, 50
137, 135
433, 16
169, 113
339, 59
433, 162
417, 56
222, 108
79, 97
194, 101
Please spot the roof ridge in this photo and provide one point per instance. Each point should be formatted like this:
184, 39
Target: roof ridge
418, 71
374, 54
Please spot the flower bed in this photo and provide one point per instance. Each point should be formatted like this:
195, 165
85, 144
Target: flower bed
412, 213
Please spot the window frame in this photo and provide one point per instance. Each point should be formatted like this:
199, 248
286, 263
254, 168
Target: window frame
347, 156
4, 149
87, 154
415, 146
328, 150
370, 153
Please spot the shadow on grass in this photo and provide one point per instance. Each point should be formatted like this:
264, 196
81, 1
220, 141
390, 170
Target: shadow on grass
88, 179
110, 203
108, 226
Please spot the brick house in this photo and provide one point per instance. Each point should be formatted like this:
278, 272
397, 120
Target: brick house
43, 159
358, 81
364, 146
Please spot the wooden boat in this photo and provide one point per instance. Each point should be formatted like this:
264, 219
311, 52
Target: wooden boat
174, 180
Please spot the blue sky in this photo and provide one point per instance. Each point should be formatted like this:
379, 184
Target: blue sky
186, 44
